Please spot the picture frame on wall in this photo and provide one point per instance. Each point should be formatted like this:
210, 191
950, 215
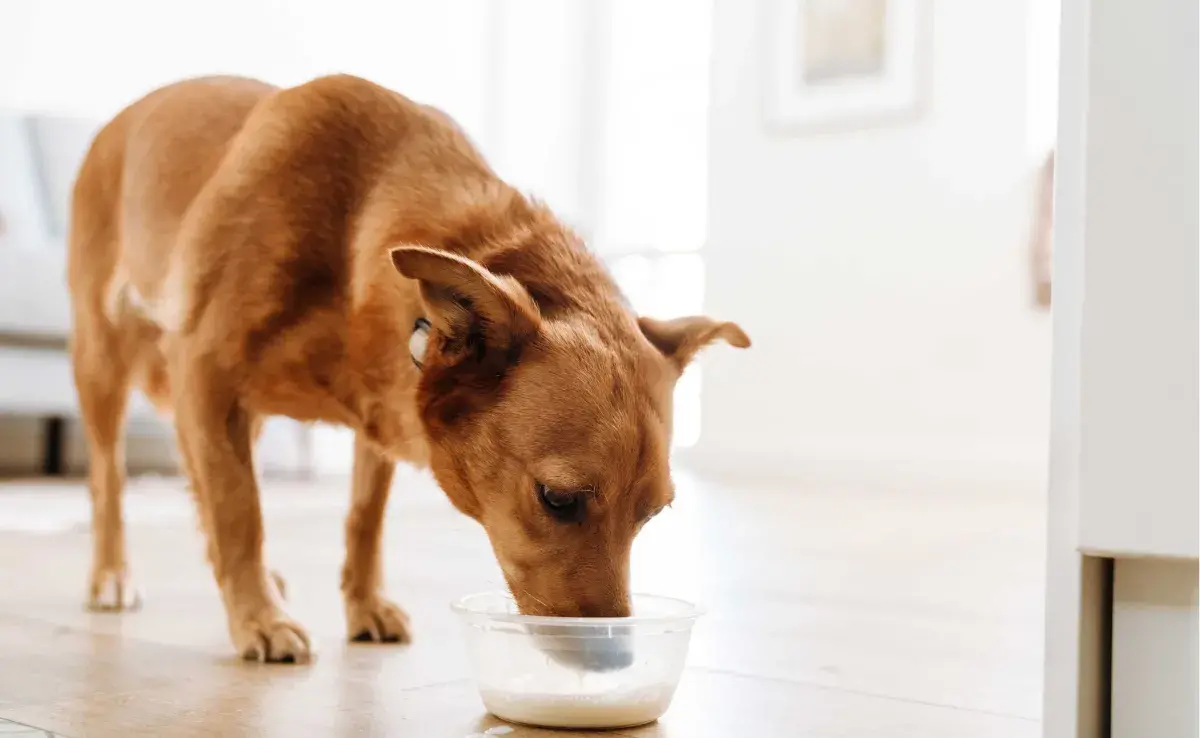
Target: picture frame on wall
836, 64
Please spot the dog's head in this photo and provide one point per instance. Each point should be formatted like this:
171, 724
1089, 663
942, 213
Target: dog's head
551, 427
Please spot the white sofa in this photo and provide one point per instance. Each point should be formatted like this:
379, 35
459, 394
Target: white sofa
39, 156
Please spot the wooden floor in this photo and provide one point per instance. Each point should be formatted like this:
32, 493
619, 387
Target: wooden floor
836, 608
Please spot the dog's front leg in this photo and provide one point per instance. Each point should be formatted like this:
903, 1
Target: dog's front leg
216, 436
370, 616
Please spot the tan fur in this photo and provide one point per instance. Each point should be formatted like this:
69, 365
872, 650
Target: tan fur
239, 251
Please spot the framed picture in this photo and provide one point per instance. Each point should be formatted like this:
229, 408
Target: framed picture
844, 63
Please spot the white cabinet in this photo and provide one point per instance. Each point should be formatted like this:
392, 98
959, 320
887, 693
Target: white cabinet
1121, 648
1139, 372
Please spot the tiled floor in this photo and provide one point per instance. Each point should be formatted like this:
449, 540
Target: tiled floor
836, 608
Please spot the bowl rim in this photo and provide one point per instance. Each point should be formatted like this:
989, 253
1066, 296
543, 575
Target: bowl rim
691, 611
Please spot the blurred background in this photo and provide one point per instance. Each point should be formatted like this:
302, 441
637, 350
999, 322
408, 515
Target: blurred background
860, 189
866, 187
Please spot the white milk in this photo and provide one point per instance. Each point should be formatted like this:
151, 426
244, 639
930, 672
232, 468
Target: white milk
623, 709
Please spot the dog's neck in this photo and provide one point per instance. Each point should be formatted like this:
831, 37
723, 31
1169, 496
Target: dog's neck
494, 225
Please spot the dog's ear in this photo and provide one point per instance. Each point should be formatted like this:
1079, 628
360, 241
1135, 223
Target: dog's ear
680, 339
466, 300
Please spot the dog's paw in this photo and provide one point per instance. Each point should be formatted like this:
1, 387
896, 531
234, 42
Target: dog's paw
272, 637
376, 620
112, 590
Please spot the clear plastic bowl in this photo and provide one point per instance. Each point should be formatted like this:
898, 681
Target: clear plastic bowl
577, 672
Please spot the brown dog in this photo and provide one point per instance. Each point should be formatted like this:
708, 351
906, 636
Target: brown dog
240, 251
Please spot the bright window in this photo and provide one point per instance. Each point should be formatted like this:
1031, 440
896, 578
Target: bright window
669, 285
601, 109
652, 218
1042, 76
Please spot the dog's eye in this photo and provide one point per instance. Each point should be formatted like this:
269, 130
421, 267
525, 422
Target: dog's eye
568, 507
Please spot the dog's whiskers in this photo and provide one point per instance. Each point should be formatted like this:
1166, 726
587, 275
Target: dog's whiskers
512, 591
545, 608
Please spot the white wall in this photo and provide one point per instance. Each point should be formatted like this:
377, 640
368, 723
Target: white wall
83, 57
880, 273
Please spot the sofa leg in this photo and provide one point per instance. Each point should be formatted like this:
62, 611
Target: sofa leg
53, 442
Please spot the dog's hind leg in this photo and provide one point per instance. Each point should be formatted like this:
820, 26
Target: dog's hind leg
102, 361
370, 616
